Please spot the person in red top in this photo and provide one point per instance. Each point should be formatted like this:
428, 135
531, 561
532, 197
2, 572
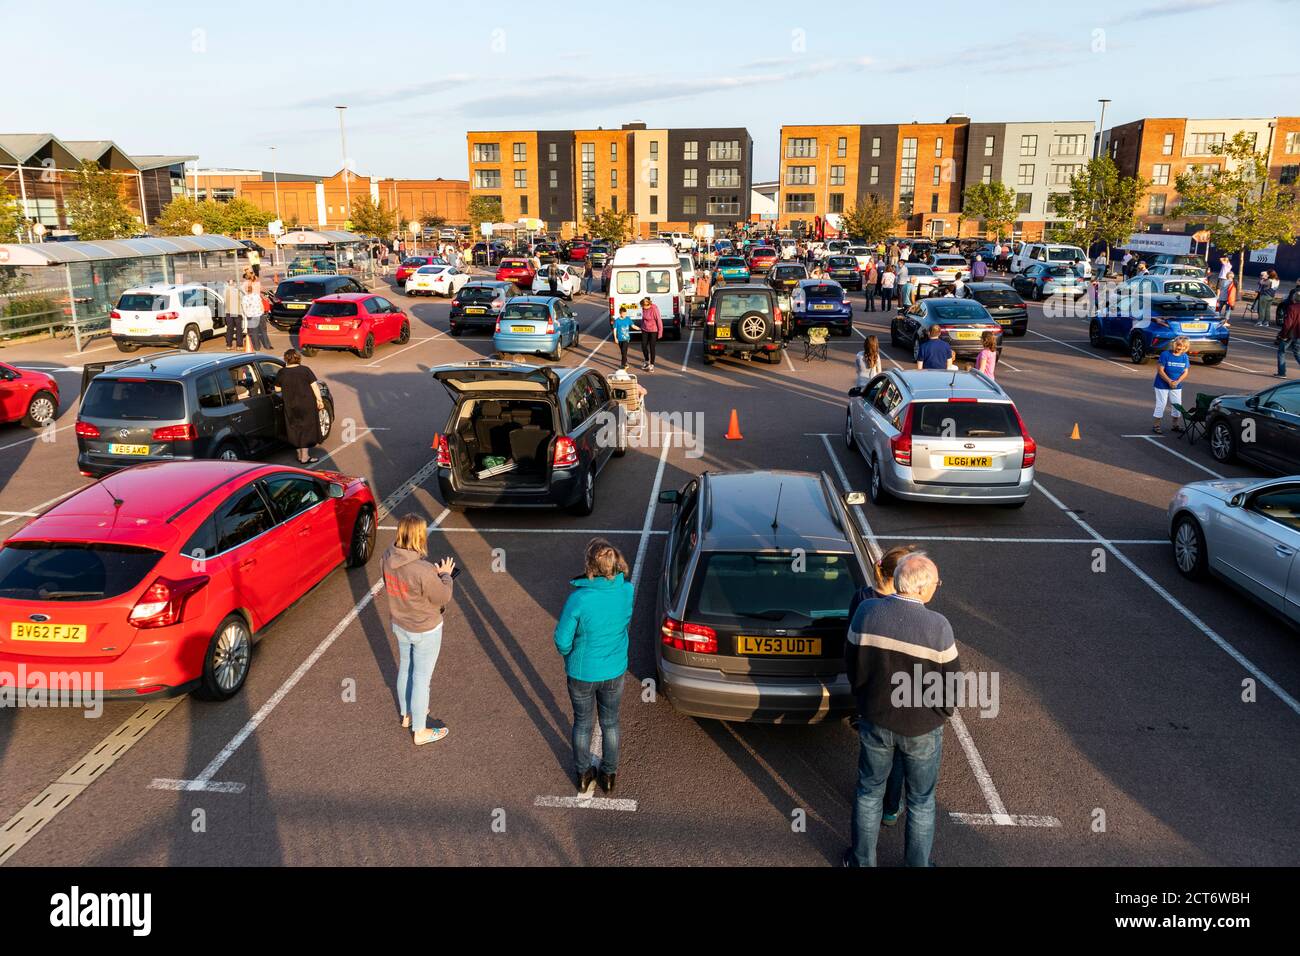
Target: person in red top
1289, 335
652, 324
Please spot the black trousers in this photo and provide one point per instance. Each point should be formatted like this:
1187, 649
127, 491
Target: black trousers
886, 298
648, 342
622, 353
234, 331
869, 295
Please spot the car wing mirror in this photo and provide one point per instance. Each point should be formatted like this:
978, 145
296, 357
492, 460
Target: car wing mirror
335, 491
1236, 501
670, 497
1252, 402
855, 391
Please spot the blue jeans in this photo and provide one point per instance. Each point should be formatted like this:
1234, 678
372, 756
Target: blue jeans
586, 285
605, 696
1282, 346
920, 756
417, 654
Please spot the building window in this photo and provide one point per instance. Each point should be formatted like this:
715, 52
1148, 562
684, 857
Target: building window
724, 205
487, 152
1289, 175
521, 152
523, 205
938, 147
654, 177
1167, 147
988, 145
487, 179
837, 175
588, 180
1028, 145
875, 175
907, 177
690, 206
1293, 142
521, 179
690, 178
1069, 145
842, 147
801, 147
654, 205
800, 202
654, 149
836, 202
934, 178
724, 178
691, 151
1201, 144
613, 202
801, 175
555, 179
1025, 176
1062, 174
986, 176
1160, 174
1024, 202
555, 206
552, 152
613, 179
613, 152
875, 147
934, 202
1156, 204
724, 150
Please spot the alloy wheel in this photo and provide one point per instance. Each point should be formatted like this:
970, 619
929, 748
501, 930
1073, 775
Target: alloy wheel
1187, 548
231, 656
42, 410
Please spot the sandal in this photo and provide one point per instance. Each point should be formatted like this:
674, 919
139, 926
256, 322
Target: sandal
406, 721
1156, 428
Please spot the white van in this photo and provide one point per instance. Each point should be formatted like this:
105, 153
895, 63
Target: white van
651, 269
178, 315
1051, 254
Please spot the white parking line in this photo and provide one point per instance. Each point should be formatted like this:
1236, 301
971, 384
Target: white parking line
1100, 358
328, 455
1177, 605
393, 527
689, 341
1161, 445
416, 344
41, 507
37, 436
997, 808
982, 540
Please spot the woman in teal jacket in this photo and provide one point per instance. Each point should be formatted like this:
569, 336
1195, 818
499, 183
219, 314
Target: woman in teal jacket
592, 638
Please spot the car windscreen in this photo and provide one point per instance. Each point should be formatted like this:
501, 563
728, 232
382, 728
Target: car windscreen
964, 420
998, 298
333, 310
842, 262
526, 310
141, 302
298, 291
63, 571
749, 589
143, 399
477, 293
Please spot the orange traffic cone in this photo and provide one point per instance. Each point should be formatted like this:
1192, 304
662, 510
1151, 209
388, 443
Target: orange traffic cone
733, 429
1075, 434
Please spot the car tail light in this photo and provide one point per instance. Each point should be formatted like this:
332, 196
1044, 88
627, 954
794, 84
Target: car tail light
115, 314
455, 303
176, 433
498, 328
550, 326
565, 454
163, 602
901, 444
1031, 446
443, 448
685, 636
611, 306
963, 401
844, 301
168, 316
86, 430
712, 314
677, 306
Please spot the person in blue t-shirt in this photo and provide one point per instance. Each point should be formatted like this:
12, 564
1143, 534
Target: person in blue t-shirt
623, 326
1174, 366
934, 352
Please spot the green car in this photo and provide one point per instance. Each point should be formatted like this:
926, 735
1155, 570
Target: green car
731, 269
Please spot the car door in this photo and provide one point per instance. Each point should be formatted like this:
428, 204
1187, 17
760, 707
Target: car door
262, 562
859, 411
257, 423
682, 541
270, 370
1255, 542
883, 417
1117, 321
596, 398
1277, 429
13, 396
914, 322
303, 506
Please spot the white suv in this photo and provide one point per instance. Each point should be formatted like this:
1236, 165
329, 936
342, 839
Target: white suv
181, 315
1052, 254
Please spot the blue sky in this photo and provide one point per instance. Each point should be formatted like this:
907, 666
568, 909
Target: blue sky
226, 80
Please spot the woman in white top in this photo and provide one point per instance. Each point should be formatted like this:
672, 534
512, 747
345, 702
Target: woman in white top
868, 361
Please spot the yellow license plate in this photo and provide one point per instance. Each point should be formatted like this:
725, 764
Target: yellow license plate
528, 329
128, 449
328, 328
139, 332
1004, 321
966, 335
823, 308
723, 332
780, 646
297, 305
1195, 326
968, 461
48, 633
472, 311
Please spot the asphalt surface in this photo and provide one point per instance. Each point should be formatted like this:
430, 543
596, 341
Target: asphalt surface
1122, 736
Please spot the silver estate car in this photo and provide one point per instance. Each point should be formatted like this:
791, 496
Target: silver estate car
941, 436
1244, 530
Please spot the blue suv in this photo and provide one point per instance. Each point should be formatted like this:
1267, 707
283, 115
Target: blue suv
820, 302
1146, 325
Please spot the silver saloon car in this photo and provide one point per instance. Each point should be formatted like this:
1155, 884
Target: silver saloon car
1244, 530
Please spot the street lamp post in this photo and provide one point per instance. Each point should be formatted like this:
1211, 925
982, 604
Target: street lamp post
275, 179
347, 176
1101, 128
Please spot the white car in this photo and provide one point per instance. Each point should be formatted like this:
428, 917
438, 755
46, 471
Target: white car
444, 280
1177, 269
862, 254
949, 267
177, 315
1052, 254
789, 249
921, 275
1194, 286
569, 284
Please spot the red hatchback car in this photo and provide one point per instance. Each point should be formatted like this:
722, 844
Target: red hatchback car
27, 396
352, 322
518, 271
761, 259
411, 263
158, 579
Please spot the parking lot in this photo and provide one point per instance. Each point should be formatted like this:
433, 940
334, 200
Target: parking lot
1123, 734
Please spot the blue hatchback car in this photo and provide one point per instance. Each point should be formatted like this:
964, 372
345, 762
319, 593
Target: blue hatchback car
1147, 323
536, 325
820, 302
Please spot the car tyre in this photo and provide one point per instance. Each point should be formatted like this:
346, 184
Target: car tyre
1211, 359
753, 327
1094, 334
126, 346
191, 339
876, 488
325, 417
404, 335
894, 338
559, 351
368, 349
1137, 350
455, 332
849, 443
228, 451
586, 504
228, 660
1223, 443
363, 538
41, 410
1189, 547
307, 351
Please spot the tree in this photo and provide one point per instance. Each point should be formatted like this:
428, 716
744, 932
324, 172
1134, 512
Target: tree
1100, 205
95, 206
13, 225
870, 220
612, 225
484, 209
992, 205
373, 220
433, 222
240, 215
1244, 208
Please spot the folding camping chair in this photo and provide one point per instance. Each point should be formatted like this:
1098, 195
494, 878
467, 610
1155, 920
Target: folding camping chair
1194, 419
814, 346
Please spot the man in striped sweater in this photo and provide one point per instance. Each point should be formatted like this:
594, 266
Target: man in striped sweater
898, 657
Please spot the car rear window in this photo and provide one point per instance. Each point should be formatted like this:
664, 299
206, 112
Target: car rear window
763, 251
477, 293
916, 269
526, 310
298, 290
63, 571
333, 310
843, 262
734, 306
785, 272
823, 291
1064, 255
756, 590
1060, 271
513, 264
143, 399
731, 262
964, 420
956, 310
627, 283
429, 270
137, 302
998, 298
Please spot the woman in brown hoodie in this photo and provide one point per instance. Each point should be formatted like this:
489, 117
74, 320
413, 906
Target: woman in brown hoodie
418, 591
